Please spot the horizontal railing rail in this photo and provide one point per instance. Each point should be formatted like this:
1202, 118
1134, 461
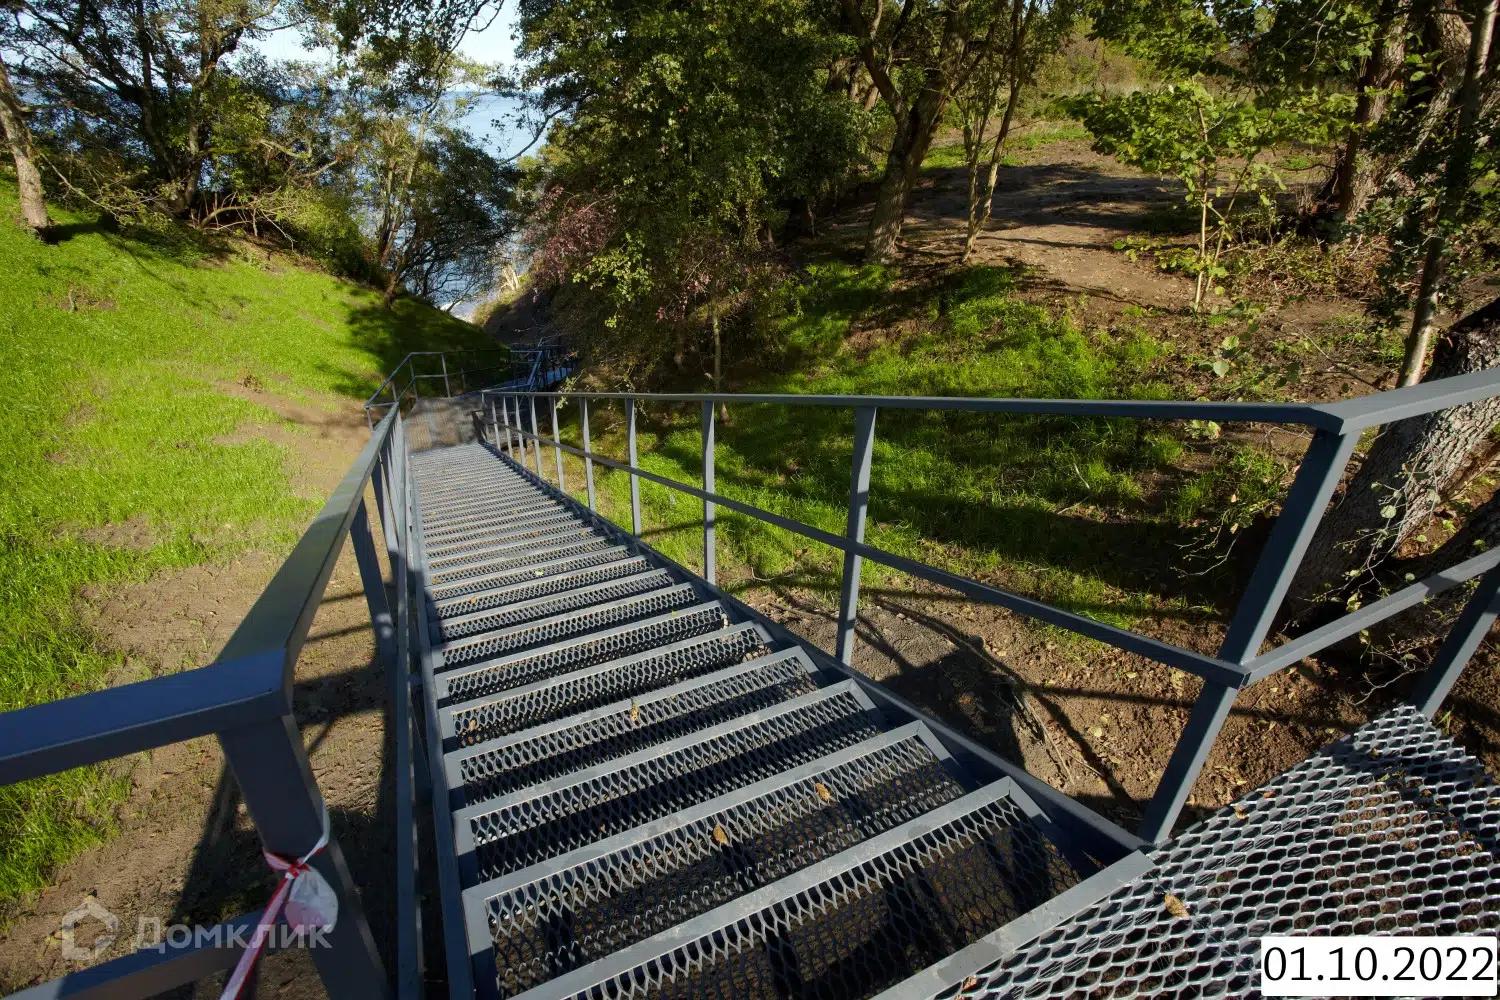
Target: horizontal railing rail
1239, 661
244, 698
521, 368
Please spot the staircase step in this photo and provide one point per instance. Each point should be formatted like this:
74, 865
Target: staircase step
492, 676
556, 533
532, 534
475, 495
583, 540
516, 613
580, 621
557, 697
439, 529
485, 533
444, 597
550, 919
533, 824
510, 762
855, 924
477, 606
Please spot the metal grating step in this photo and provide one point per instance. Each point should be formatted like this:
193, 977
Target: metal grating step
857, 923
488, 556
481, 535
475, 493
1393, 829
551, 549
552, 604
475, 609
543, 821
534, 534
514, 761
539, 525
602, 684
545, 566
520, 513
483, 507
582, 621
549, 661
549, 920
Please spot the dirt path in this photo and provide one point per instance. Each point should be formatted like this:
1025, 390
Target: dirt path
186, 850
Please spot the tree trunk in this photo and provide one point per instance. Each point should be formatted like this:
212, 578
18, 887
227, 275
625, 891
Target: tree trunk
976, 225
18, 137
1406, 471
1354, 181
1456, 173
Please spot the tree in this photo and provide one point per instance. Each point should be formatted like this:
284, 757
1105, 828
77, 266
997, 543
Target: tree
18, 138
1409, 468
1035, 30
1449, 210
936, 47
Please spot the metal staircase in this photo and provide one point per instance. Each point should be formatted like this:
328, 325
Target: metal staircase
655, 792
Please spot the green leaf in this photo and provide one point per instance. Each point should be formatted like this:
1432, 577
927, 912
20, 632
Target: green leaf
1388, 511
1221, 368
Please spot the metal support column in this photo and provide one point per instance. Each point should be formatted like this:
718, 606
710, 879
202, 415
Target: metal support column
635, 483
1463, 639
588, 448
276, 781
859, 505
1322, 467
556, 442
710, 564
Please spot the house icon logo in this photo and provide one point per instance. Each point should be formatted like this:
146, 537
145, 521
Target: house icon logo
67, 933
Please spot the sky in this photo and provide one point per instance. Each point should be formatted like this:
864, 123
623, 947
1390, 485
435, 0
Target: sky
493, 45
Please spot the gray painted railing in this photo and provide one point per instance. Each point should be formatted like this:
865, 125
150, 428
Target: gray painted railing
1239, 661
244, 698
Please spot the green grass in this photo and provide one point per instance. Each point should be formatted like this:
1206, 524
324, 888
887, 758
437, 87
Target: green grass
1057, 507
113, 344
1031, 137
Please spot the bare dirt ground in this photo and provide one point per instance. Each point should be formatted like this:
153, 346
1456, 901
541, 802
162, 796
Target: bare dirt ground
185, 850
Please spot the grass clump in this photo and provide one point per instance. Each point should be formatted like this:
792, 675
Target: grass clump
116, 345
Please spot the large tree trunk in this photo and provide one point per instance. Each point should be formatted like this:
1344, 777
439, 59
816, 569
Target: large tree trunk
902, 165
18, 137
1456, 174
1407, 469
1355, 180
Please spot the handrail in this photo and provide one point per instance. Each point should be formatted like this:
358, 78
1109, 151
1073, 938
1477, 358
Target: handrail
245, 698
1239, 662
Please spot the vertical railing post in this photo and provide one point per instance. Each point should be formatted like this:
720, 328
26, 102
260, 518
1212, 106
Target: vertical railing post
447, 389
854, 531
275, 779
588, 449
556, 445
710, 563
635, 483
1463, 639
494, 424
1322, 467
536, 437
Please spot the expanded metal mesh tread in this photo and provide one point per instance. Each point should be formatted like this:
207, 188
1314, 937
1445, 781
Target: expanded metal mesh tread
474, 612
582, 690
436, 553
563, 657
506, 509
467, 527
544, 821
533, 756
475, 495
516, 574
583, 621
554, 604
587, 909
1393, 829
553, 536
550, 550
528, 537
856, 924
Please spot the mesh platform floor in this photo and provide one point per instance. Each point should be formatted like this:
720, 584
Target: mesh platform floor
655, 793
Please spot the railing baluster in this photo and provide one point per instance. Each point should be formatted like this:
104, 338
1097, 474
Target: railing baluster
710, 563
1463, 639
1322, 467
859, 505
536, 437
635, 483
588, 463
556, 450
447, 389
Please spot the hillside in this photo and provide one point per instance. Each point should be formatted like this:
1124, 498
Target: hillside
173, 405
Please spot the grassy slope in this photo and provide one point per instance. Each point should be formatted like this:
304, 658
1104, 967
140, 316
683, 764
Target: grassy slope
113, 343
1075, 511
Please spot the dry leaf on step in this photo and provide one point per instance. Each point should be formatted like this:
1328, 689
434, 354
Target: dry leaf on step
1175, 906
823, 792
720, 837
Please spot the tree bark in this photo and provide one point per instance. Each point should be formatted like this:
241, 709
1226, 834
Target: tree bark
18, 137
1407, 470
1456, 174
1354, 180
